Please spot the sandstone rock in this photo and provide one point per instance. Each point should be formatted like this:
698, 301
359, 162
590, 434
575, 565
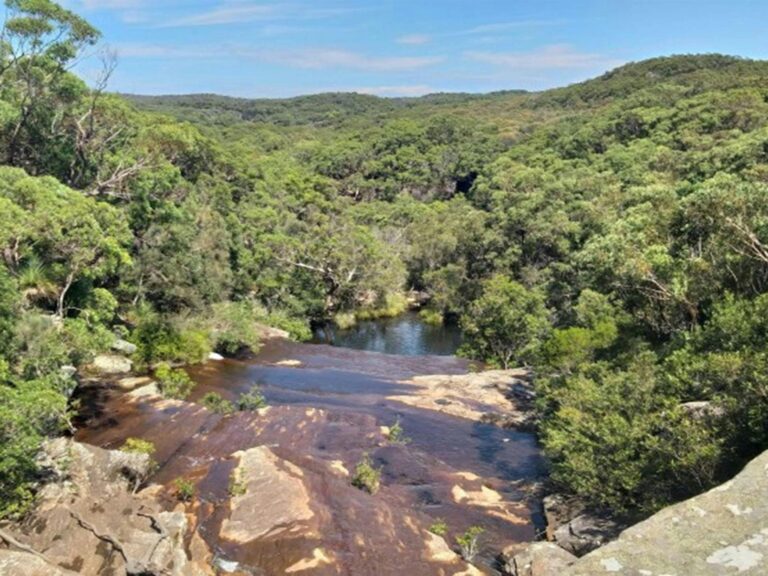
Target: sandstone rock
587, 532
558, 510
500, 397
14, 563
703, 409
124, 347
274, 501
539, 559
723, 531
109, 364
215, 357
88, 520
132, 383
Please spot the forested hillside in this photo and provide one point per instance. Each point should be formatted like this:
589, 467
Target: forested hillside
611, 235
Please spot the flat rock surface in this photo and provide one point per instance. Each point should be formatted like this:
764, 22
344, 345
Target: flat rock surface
481, 396
721, 532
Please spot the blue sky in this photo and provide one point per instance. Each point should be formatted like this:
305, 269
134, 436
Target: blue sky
403, 48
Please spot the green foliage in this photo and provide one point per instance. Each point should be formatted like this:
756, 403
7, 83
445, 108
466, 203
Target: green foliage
173, 382
367, 477
432, 317
215, 403
185, 489
397, 434
468, 542
138, 446
237, 486
29, 413
506, 324
235, 326
438, 527
251, 401
613, 234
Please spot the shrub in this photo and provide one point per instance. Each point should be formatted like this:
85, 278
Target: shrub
344, 320
215, 403
237, 486
251, 400
138, 446
396, 434
367, 477
173, 382
185, 489
432, 317
439, 527
298, 328
468, 542
29, 413
235, 326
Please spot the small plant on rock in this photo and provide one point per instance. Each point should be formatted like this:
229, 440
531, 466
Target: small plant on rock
237, 486
396, 434
367, 477
215, 403
468, 542
251, 400
185, 489
439, 527
139, 446
173, 382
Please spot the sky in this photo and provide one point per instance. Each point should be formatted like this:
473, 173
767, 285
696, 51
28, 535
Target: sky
402, 47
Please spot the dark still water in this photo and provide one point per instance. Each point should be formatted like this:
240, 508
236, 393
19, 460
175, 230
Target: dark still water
405, 335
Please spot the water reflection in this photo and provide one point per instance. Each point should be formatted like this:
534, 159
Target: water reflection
406, 335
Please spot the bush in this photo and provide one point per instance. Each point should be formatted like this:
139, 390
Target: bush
29, 413
185, 489
159, 340
396, 434
439, 527
468, 542
215, 403
367, 477
138, 446
251, 400
235, 326
431, 317
173, 382
237, 486
298, 328
344, 320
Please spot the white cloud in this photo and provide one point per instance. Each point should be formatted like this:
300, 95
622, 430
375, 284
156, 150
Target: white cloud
229, 14
558, 56
413, 39
319, 58
310, 58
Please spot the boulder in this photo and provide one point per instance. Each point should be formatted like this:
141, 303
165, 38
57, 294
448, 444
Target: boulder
124, 347
723, 531
15, 563
215, 357
88, 520
538, 559
109, 364
587, 532
272, 500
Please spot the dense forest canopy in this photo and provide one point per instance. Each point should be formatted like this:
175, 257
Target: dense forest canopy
611, 235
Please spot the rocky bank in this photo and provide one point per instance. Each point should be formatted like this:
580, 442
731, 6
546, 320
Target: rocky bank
721, 532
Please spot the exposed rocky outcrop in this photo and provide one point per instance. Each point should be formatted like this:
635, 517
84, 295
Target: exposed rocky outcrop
538, 559
501, 397
88, 520
111, 364
723, 531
